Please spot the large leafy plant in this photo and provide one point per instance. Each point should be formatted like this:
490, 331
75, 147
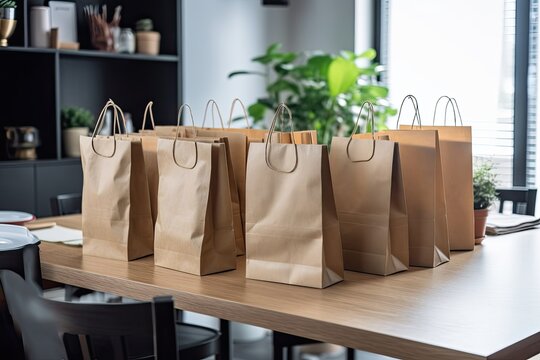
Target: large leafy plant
484, 185
324, 91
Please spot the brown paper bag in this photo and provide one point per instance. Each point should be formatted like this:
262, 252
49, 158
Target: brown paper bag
456, 157
424, 193
194, 230
236, 145
116, 215
370, 202
149, 146
292, 230
237, 157
258, 135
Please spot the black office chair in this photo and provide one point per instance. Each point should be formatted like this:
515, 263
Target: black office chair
523, 199
66, 204
59, 330
24, 262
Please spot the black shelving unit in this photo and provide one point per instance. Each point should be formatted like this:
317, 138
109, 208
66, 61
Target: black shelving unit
37, 83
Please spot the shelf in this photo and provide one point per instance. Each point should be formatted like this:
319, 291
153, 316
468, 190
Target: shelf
110, 55
28, 50
92, 53
38, 161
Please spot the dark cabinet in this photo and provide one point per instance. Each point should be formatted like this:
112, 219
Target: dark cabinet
53, 179
17, 190
30, 186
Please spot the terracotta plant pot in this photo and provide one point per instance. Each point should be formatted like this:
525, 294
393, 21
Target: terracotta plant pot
148, 42
71, 140
480, 219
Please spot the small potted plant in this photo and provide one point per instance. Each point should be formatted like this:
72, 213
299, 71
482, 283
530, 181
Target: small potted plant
76, 121
147, 39
7, 20
484, 194
7, 9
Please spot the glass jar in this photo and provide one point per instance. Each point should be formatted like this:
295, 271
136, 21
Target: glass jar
126, 43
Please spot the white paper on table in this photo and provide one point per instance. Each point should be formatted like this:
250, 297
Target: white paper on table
61, 234
74, 242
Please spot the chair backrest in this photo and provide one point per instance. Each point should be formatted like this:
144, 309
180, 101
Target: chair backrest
523, 200
66, 204
24, 262
46, 325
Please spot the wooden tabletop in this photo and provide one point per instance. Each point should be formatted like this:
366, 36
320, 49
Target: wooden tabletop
483, 304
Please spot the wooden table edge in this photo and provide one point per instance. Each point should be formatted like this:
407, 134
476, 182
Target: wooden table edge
270, 319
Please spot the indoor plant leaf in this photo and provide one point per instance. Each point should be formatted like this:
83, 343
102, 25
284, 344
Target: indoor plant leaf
245, 72
342, 74
369, 54
257, 111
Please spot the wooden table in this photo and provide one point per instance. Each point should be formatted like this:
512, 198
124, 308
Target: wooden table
483, 304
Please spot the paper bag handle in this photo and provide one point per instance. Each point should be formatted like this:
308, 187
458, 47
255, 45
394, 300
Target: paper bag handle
178, 118
449, 101
148, 110
99, 125
455, 107
237, 100
278, 114
416, 111
370, 116
214, 106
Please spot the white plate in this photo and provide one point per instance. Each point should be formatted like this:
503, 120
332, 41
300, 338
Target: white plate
14, 237
11, 217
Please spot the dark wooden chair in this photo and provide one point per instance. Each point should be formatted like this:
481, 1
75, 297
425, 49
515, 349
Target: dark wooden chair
64, 330
69, 204
523, 199
24, 262
66, 204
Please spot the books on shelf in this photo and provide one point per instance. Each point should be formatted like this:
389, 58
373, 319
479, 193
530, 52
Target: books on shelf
500, 224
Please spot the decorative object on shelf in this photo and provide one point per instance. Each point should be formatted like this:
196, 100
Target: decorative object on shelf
484, 185
76, 122
64, 18
7, 20
126, 42
101, 31
324, 91
56, 44
21, 142
147, 39
40, 26
7, 9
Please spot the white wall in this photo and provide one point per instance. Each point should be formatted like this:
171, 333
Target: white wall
222, 36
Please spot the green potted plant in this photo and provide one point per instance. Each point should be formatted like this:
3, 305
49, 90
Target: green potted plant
484, 186
7, 20
147, 39
324, 91
76, 122
7, 9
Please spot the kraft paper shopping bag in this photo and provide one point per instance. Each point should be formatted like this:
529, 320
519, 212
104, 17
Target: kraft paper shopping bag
237, 146
149, 146
424, 192
370, 202
116, 214
456, 157
194, 230
258, 135
292, 230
